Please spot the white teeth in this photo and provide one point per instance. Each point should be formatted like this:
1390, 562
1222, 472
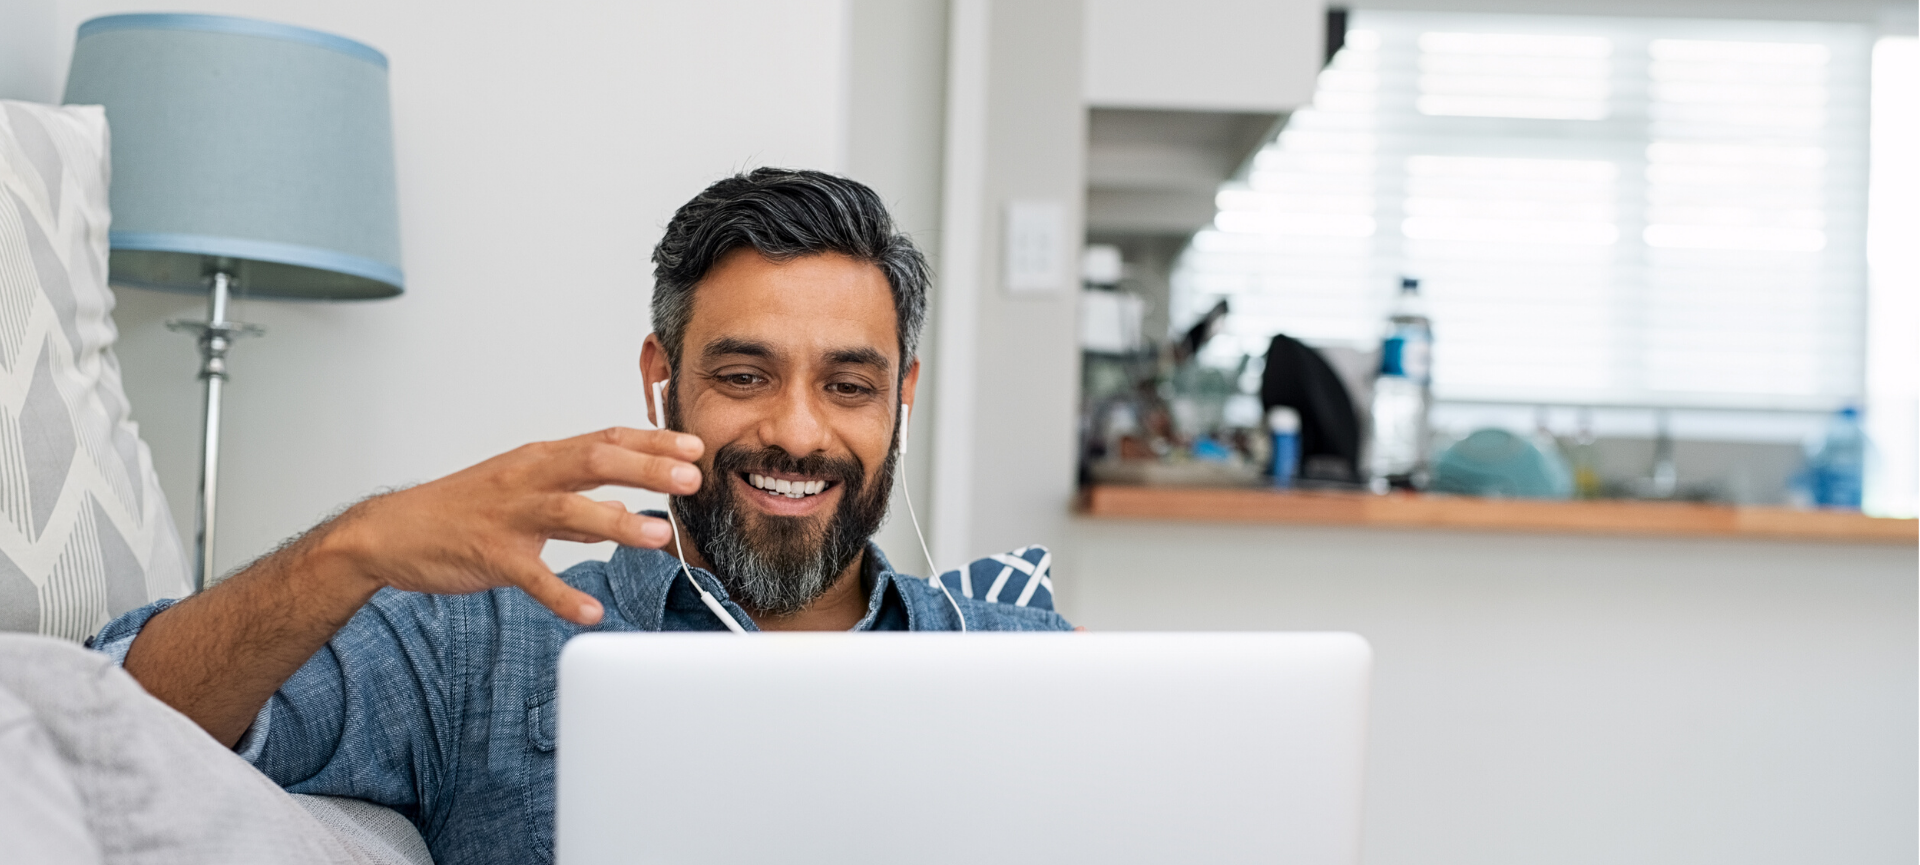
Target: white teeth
790, 489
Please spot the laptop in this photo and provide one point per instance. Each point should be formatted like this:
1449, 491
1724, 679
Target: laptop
961, 748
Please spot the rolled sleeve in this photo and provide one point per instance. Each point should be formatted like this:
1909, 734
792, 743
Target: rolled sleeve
369, 716
116, 639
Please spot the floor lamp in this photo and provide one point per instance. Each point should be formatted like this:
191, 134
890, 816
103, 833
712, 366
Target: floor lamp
250, 159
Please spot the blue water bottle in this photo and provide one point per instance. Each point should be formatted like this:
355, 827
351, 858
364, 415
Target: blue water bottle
1837, 469
1284, 424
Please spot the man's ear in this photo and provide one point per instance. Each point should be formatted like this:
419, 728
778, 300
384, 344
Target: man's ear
909, 381
653, 368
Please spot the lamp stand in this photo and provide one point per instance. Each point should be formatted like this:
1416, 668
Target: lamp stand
216, 336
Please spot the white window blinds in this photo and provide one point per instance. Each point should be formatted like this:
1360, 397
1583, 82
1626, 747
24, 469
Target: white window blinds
1601, 211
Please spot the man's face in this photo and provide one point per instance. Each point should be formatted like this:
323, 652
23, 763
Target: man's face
790, 374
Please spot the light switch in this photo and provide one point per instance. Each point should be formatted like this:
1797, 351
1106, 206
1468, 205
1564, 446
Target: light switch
1035, 247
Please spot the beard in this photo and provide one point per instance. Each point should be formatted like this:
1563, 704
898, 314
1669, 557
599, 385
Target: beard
777, 565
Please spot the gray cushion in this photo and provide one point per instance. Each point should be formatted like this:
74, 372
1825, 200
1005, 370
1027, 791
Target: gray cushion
85, 533
41, 813
380, 834
151, 788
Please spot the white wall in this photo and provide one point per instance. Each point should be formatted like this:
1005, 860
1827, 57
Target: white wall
541, 147
896, 127
1204, 55
27, 40
1589, 701
1008, 365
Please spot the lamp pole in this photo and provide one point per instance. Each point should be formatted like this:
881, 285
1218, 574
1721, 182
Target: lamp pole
216, 336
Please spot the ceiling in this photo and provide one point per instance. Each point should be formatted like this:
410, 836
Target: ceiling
1155, 172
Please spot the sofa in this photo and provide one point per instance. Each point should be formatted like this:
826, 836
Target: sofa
92, 768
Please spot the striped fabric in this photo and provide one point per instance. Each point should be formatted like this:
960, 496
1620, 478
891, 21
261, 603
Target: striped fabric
1022, 578
85, 534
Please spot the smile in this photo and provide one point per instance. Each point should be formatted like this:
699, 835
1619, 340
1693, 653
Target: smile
799, 489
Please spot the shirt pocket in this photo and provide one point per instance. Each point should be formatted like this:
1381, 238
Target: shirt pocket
542, 726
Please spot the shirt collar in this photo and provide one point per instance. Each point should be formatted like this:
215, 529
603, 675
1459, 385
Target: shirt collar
651, 593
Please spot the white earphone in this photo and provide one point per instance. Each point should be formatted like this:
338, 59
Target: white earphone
720, 612
906, 417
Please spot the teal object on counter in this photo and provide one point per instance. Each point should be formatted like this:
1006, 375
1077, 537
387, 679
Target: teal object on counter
266, 145
1498, 463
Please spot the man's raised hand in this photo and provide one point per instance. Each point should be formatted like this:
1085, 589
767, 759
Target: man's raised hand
484, 527
219, 655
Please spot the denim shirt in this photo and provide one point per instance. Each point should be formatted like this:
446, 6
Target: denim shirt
442, 706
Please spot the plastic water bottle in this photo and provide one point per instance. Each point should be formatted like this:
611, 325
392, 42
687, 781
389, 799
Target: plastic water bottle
1837, 470
1402, 393
1284, 424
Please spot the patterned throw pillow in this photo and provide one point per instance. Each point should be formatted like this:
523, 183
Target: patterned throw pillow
85, 534
1022, 578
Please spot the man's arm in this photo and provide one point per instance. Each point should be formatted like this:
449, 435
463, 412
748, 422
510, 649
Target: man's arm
217, 657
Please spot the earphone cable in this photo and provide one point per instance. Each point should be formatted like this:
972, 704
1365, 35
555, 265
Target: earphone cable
726, 618
906, 416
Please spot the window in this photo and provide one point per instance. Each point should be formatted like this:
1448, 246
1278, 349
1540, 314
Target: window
1602, 211
1893, 353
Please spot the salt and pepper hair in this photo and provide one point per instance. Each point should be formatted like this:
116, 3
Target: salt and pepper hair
785, 214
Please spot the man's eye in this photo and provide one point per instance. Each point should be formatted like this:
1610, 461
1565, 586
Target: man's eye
741, 379
845, 388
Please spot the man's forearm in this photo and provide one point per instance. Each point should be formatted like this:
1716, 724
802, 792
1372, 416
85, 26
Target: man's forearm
218, 656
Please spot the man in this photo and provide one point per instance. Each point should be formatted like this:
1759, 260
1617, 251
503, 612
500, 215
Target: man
396, 652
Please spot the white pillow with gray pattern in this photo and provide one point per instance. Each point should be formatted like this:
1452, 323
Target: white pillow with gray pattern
85, 533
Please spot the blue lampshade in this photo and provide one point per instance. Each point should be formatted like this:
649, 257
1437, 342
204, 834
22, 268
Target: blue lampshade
264, 147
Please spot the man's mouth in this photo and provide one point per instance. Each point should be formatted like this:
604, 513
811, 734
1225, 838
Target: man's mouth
793, 489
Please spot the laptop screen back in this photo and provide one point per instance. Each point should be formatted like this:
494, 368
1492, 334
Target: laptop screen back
1006, 748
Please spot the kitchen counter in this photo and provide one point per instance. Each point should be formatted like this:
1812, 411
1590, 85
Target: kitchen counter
1414, 510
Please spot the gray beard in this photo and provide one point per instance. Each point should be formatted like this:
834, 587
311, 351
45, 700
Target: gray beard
782, 564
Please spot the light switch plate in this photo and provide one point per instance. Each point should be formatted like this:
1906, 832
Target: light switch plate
1035, 247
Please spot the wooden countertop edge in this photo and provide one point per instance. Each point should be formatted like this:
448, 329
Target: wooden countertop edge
1402, 510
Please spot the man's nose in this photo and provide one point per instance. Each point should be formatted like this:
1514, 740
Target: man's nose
797, 425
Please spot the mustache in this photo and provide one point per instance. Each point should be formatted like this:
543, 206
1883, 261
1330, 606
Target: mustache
735, 459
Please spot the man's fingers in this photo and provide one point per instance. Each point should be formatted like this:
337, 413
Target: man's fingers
575, 517
666, 443
565, 601
579, 538
655, 460
606, 464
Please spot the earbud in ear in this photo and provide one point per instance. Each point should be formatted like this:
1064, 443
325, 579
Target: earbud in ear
659, 405
906, 426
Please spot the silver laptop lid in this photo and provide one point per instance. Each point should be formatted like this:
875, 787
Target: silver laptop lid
1005, 748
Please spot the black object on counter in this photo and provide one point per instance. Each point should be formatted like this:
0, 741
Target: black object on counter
1299, 378
1201, 333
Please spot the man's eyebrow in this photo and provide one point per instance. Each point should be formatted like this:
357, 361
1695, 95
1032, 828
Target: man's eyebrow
727, 345
864, 356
